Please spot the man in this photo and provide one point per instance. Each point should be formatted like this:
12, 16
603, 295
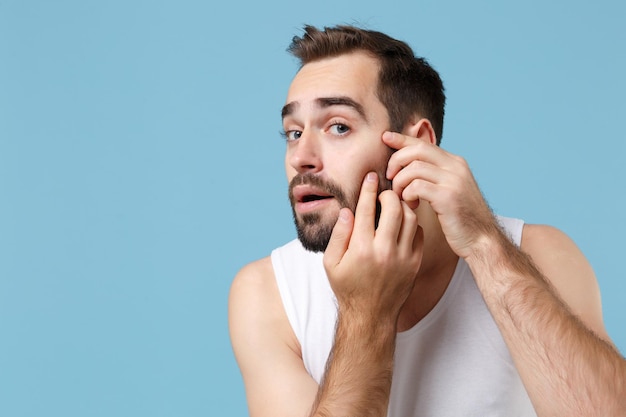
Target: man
404, 295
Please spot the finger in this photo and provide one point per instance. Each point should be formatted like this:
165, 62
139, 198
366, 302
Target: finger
398, 141
418, 242
413, 204
390, 216
422, 190
339, 238
418, 150
365, 213
409, 226
417, 170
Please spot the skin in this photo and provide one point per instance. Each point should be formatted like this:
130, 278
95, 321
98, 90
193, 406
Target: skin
544, 297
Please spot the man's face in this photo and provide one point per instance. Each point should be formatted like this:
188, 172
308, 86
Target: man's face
333, 122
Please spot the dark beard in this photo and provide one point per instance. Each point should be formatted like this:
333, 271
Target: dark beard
313, 232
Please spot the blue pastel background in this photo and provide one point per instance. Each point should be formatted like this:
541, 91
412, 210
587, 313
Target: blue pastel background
141, 167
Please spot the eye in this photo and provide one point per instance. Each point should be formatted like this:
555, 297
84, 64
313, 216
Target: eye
339, 129
292, 135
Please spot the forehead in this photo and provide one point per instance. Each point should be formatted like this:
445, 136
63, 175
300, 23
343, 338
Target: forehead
353, 75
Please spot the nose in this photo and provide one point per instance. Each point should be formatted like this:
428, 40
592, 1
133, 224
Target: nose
304, 154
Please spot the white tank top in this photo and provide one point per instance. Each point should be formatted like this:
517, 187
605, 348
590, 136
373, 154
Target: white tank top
453, 362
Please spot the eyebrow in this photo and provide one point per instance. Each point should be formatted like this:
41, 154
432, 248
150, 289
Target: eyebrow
324, 102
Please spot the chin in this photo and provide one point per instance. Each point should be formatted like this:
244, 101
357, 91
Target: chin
314, 235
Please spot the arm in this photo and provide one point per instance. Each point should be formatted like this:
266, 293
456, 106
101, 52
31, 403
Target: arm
553, 327
371, 272
266, 349
357, 380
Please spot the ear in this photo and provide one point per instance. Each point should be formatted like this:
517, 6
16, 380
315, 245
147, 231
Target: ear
422, 129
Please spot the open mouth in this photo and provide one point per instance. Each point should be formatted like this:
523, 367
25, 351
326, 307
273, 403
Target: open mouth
314, 197
308, 197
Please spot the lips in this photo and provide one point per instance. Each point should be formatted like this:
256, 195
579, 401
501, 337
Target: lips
307, 193
307, 197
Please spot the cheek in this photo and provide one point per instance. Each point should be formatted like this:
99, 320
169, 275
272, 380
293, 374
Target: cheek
376, 161
352, 176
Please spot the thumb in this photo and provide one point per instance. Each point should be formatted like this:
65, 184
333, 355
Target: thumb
339, 239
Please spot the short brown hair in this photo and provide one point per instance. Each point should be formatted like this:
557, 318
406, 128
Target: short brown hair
407, 84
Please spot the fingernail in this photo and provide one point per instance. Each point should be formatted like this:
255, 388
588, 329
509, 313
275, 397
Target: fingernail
343, 216
371, 176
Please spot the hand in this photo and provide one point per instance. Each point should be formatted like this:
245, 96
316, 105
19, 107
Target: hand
372, 270
420, 169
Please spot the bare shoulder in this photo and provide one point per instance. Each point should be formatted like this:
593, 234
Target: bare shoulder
265, 346
565, 266
255, 303
254, 277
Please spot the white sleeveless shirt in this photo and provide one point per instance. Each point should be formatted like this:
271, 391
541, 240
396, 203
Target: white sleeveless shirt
453, 362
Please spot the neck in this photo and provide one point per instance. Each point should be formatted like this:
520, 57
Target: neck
438, 265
